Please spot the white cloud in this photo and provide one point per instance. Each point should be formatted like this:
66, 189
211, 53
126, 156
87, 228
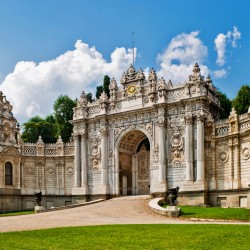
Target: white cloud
220, 73
221, 42
177, 61
32, 88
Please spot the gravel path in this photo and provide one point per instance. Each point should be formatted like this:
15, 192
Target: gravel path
122, 210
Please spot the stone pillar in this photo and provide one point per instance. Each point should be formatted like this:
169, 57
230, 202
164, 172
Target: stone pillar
77, 162
200, 148
124, 185
134, 172
162, 151
189, 149
104, 156
84, 162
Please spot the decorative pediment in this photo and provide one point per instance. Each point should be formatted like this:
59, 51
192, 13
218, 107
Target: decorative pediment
131, 75
10, 151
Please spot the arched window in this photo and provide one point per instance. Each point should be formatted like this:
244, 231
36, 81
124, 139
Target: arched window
8, 173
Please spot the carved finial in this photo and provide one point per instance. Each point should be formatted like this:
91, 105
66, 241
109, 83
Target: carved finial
196, 69
59, 140
152, 75
208, 79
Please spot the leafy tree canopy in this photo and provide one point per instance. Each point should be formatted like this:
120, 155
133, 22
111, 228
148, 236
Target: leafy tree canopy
226, 104
63, 108
242, 101
37, 126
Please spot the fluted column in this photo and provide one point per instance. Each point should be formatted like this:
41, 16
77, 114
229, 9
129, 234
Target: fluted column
84, 161
77, 161
189, 148
200, 148
104, 154
162, 151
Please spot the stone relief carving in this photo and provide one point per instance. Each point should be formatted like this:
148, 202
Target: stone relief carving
95, 156
29, 169
223, 156
176, 142
245, 153
50, 170
156, 154
70, 171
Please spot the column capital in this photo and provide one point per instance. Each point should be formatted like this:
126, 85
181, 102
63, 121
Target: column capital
200, 117
161, 122
84, 134
103, 131
188, 119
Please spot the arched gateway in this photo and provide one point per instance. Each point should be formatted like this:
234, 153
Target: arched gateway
133, 163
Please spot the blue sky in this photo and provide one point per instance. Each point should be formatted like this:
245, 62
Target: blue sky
40, 57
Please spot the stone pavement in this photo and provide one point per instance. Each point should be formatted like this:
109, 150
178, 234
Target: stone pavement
122, 210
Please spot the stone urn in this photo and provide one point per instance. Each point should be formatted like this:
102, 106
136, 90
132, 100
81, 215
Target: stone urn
38, 198
172, 195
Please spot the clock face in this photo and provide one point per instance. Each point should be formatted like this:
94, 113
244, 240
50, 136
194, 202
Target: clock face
131, 89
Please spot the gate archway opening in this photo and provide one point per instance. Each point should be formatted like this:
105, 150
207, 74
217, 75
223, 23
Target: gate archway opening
134, 164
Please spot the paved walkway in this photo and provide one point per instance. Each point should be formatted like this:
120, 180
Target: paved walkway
122, 210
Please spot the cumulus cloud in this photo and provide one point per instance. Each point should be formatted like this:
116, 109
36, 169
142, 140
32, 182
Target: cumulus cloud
221, 42
220, 73
32, 88
178, 59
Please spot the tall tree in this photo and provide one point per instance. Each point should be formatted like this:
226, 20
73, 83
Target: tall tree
242, 100
226, 104
63, 108
99, 90
106, 83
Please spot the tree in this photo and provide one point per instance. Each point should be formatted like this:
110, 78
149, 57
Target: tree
63, 108
99, 90
37, 126
89, 97
106, 83
226, 104
242, 101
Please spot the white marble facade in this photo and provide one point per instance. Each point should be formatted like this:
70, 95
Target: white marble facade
149, 135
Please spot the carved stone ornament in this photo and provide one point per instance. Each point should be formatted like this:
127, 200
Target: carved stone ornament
223, 156
70, 170
50, 170
156, 154
245, 153
176, 142
29, 169
95, 156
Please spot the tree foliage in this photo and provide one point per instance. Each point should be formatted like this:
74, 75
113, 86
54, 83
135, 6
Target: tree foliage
106, 83
99, 90
89, 97
37, 126
63, 108
242, 101
226, 104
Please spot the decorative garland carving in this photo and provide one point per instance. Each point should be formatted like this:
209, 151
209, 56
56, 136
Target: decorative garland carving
245, 153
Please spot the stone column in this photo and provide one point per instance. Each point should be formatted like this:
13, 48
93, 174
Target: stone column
84, 161
77, 162
189, 148
134, 160
104, 156
162, 151
200, 148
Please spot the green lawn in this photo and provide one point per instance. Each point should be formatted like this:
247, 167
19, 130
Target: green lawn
131, 237
214, 213
17, 213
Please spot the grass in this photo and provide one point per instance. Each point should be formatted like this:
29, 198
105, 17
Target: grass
215, 213
131, 237
16, 213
